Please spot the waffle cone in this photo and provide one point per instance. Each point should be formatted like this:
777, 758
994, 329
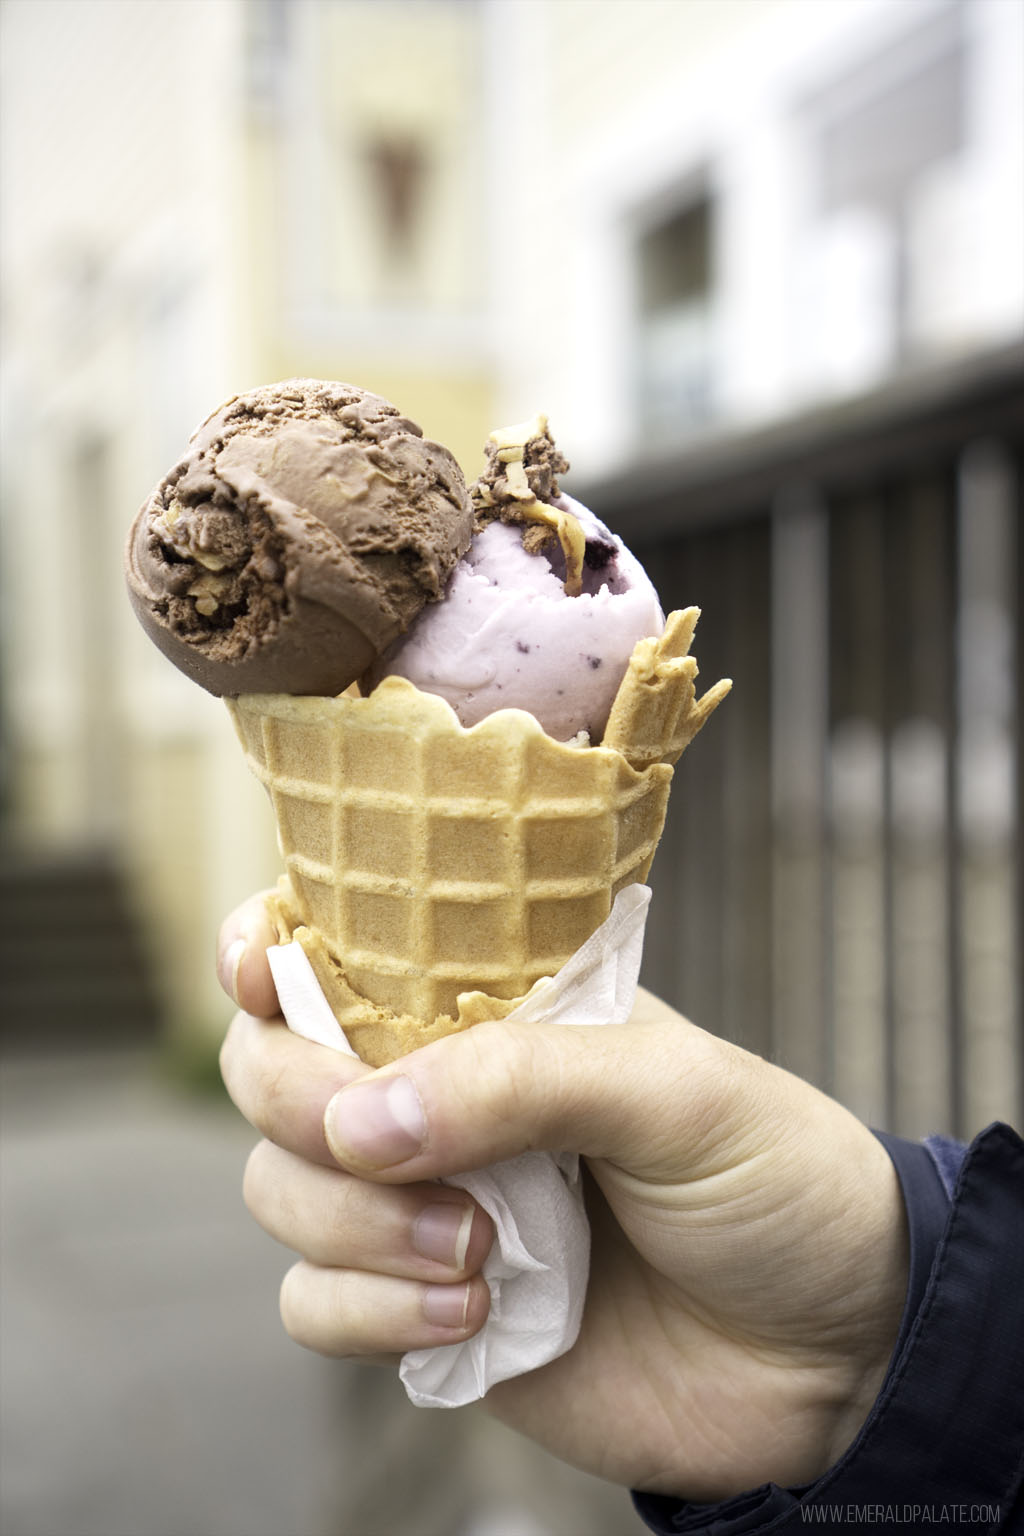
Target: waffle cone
435, 873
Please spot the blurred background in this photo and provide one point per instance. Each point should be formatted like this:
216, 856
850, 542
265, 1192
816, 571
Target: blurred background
762, 263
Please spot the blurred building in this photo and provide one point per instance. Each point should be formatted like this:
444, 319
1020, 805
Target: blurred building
728, 213
671, 225
197, 198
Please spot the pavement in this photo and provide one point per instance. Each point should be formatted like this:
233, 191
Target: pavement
146, 1385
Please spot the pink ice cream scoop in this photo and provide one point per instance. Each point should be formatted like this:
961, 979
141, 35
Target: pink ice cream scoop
507, 635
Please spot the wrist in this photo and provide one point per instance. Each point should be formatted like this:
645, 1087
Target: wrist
871, 1342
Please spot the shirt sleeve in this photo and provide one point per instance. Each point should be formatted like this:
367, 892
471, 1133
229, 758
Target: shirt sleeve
943, 1446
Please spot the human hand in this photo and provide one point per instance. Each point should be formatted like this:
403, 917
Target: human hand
749, 1244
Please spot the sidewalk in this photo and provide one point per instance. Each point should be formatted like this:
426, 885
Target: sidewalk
147, 1388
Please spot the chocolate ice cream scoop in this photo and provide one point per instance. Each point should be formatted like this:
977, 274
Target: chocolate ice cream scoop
301, 534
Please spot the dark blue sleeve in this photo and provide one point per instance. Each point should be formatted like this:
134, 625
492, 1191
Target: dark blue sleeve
943, 1447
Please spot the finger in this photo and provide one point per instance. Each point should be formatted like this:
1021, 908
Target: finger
282, 1083
415, 1231
651, 1096
345, 1312
242, 966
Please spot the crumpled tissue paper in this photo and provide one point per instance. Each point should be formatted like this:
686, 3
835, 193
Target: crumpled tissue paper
537, 1267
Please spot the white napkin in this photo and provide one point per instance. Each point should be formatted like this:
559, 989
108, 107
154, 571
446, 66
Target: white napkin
537, 1267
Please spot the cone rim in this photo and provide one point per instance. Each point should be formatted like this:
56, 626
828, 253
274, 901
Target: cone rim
331, 710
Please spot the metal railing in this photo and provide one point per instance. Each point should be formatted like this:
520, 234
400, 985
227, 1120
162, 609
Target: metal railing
838, 885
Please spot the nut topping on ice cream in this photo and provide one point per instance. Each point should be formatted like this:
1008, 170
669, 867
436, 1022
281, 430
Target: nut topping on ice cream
522, 465
519, 486
301, 534
543, 611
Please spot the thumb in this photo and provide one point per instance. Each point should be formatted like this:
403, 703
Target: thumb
651, 1096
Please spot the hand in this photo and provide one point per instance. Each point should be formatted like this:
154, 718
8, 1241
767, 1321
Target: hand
749, 1241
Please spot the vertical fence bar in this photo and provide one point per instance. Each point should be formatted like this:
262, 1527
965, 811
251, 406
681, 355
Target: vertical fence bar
746, 729
799, 715
856, 803
920, 628
986, 915
695, 572
708, 946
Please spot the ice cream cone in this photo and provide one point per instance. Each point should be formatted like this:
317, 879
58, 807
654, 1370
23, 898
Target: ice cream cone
436, 873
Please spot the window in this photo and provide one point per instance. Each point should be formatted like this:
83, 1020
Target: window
675, 284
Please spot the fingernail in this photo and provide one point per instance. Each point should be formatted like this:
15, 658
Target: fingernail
441, 1232
376, 1124
447, 1306
229, 965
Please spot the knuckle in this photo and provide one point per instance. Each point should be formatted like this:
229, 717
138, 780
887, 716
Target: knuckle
516, 1075
491, 1079
258, 1080
291, 1304
320, 1309
254, 1179
228, 1056
228, 930
270, 1100
306, 1314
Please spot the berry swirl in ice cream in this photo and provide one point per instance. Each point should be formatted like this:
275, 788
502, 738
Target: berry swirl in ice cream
301, 534
543, 611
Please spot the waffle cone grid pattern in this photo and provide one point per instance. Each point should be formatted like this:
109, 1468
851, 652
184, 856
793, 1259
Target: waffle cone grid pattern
436, 860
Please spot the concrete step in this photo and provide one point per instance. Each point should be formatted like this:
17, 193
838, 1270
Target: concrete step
73, 968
